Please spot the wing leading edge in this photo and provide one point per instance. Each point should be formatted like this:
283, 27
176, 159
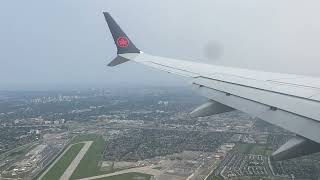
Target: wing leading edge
289, 101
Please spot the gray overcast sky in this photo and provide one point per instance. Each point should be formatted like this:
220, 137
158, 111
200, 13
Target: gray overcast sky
45, 44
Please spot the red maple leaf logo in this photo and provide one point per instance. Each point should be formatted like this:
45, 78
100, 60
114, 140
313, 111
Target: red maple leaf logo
123, 42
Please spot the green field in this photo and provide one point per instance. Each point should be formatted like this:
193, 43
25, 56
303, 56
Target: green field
128, 176
253, 149
215, 178
243, 148
58, 168
90, 164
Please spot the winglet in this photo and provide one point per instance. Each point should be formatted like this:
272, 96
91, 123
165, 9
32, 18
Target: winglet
118, 60
122, 41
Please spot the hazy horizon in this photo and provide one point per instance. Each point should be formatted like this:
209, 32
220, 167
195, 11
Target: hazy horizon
45, 44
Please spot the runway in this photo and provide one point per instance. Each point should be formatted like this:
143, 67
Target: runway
72, 167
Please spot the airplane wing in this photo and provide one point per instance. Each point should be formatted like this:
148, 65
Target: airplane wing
286, 100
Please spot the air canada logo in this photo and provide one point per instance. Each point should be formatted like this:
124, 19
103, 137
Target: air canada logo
123, 42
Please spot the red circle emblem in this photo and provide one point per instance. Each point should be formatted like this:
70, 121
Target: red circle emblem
123, 42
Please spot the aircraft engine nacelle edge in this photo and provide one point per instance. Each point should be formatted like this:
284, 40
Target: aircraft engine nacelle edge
210, 108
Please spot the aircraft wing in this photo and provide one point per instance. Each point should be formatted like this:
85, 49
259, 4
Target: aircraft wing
286, 100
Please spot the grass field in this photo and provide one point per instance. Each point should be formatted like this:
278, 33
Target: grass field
244, 148
253, 149
128, 176
215, 178
262, 150
58, 169
89, 165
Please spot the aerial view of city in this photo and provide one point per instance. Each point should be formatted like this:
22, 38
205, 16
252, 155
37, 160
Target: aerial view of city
160, 90
141, 133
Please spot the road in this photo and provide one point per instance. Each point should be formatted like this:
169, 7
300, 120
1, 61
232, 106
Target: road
145, 170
